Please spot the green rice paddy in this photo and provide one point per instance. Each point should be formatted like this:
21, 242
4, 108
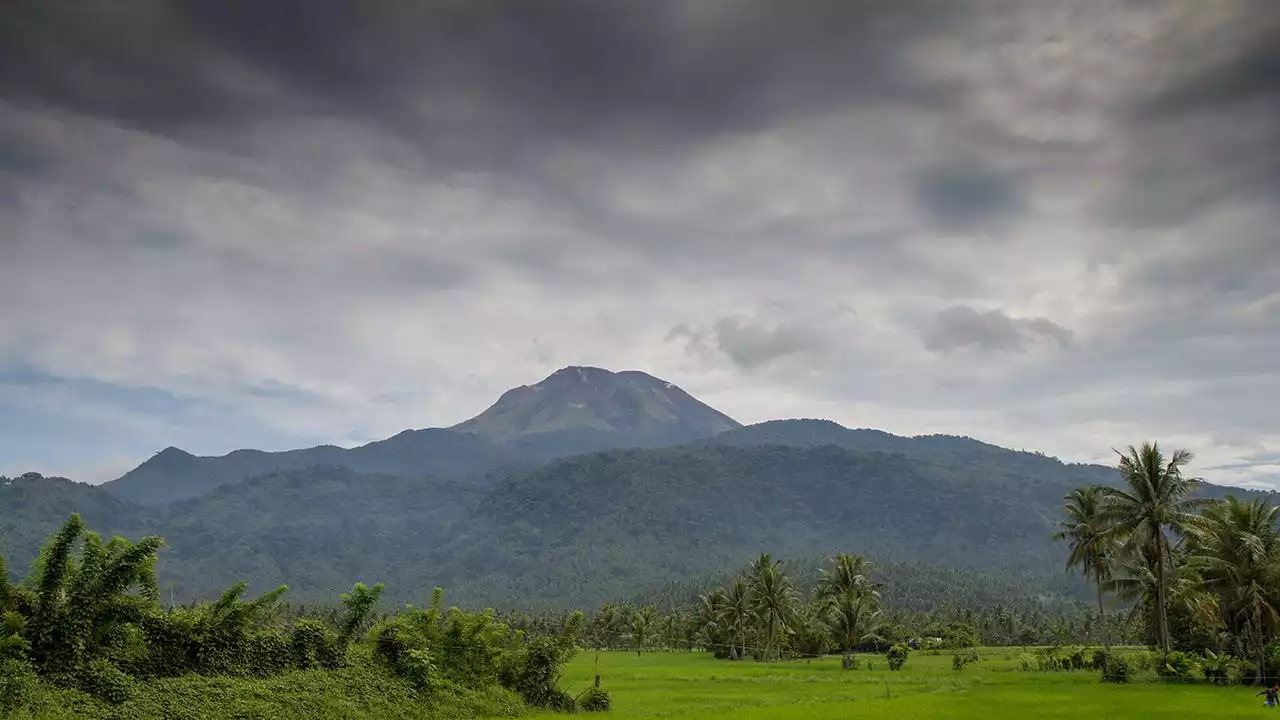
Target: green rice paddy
695, 685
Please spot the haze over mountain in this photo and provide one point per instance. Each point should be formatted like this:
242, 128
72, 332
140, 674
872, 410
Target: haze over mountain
576, 409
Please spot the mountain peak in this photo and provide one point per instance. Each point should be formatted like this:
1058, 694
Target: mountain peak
633, 406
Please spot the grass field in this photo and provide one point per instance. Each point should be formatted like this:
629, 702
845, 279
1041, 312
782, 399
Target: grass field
695, 685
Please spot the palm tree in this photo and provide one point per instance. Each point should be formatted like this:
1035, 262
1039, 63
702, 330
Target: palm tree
736, 616
1154, 499
774, 599
1133, 581
639, 625
850, 602
1237, 550
710, 616
1092, 543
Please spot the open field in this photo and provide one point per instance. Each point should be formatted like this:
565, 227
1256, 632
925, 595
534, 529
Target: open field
695, 685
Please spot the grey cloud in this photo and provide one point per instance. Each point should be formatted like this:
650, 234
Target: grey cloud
750, 345
967, 196
962, 326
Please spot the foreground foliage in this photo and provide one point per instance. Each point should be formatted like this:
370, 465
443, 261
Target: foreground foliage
86, 630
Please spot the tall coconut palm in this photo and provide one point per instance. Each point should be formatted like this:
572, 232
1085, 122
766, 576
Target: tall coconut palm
1153, 500
736, 615
710, 616
774, 598
1087, 528
1133, 581
1237, 551
850, 602
639, 627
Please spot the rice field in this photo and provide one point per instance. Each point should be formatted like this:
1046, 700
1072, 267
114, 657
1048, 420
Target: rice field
695, 685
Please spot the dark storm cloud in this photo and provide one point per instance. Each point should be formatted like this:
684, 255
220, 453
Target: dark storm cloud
1197, 141
476, 79
961, 326
967, 196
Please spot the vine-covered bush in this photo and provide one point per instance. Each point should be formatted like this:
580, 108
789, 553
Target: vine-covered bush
594, 700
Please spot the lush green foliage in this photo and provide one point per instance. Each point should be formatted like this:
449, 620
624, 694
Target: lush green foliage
89, 621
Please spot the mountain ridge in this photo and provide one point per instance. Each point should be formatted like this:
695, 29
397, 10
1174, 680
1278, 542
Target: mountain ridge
574, 410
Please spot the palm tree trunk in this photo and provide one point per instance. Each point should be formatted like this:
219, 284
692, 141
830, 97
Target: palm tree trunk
1102, 618
1262, 662
1261, 645
1162, 612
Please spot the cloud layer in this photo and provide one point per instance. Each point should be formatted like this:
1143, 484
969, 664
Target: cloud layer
1049, 225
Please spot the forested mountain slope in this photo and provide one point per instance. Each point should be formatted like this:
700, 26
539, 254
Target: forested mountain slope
598, 526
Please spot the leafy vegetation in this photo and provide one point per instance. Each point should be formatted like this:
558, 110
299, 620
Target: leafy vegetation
86, 630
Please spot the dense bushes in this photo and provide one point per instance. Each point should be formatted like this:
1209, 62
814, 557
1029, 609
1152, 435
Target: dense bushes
433, 650
89, 622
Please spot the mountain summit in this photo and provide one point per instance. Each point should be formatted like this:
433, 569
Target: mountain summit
630, 404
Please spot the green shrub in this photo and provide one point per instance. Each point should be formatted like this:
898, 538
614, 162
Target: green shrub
17, 683
960, 659
1047, 660
315, 645
105, 681
1179, 666
1142, 660
959, 635
1026, 663
1222, 669
897, 656
849, 662
1099, 660
1117, 670
268, 652
1077, 660
594, 700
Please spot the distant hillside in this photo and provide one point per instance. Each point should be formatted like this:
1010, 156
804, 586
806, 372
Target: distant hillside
575, 410
32, 506
173, 474
599, 526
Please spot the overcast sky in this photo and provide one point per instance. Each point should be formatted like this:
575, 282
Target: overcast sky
1049, 225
